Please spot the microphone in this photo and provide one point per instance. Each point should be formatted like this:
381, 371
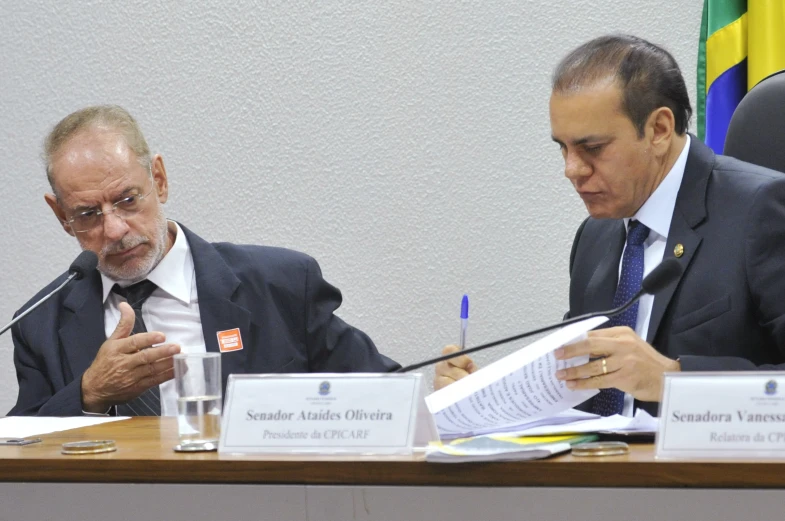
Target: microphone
666, 272
83, 265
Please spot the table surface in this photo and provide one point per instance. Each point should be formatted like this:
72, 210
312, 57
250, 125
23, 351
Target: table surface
144, 455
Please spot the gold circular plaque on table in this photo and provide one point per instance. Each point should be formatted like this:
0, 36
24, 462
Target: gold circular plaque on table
601, 448
88, 447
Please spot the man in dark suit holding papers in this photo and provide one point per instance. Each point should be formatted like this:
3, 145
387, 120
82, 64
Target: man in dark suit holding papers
619, 112
105, 343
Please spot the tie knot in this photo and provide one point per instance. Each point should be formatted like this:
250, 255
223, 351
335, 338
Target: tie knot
637, 233
136, 294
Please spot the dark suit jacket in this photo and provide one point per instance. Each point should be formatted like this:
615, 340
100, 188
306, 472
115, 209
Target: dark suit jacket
276, 297
727, 311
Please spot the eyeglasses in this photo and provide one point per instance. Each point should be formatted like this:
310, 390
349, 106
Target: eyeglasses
126, 207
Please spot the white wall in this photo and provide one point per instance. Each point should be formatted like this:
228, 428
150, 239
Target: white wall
404, 144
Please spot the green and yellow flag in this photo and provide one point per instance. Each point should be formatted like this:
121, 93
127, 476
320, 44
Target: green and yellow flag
741, 42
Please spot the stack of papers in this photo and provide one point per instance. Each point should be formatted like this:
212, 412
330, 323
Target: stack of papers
519, 395
512, 392
642, 423
500, 447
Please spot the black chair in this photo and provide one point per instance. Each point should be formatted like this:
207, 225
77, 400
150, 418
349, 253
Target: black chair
756, 132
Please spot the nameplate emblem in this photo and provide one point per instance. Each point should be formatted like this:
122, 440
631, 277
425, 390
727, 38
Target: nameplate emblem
722, 415
326, 413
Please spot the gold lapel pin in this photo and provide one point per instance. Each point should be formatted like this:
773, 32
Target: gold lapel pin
678, 250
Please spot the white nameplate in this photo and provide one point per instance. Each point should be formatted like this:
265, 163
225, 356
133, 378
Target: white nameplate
722, 415
359, 413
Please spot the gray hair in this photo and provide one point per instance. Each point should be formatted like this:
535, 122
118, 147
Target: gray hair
99, 116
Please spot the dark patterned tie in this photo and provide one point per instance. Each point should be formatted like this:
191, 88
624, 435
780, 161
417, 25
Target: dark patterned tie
611, 401
149, 402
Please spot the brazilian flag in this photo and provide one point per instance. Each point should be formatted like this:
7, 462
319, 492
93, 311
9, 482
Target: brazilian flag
741, 42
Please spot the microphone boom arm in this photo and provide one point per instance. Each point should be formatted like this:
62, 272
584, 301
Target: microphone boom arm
31, 308
608, 313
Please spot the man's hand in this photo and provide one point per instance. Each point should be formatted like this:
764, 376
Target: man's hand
453, 369
126, 366
624, 361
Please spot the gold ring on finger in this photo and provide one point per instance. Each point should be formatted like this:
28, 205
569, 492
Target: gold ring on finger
604, 367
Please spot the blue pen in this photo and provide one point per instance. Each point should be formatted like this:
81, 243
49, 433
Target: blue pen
464, 319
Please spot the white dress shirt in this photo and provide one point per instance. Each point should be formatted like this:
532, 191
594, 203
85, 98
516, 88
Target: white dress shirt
172, 309
656, 213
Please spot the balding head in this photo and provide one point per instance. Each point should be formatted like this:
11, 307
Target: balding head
108, 118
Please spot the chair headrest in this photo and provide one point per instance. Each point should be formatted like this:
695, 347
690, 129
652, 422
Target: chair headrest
756, 132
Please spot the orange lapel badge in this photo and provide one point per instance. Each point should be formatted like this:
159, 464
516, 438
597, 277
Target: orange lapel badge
230, 340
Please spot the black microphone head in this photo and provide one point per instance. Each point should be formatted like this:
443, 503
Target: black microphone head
84, 263
668, 270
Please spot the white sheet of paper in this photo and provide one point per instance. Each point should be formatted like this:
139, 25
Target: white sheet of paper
26, 426
642, 422
513, 391
565, 418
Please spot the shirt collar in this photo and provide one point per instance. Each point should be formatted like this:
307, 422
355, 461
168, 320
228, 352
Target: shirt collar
173, 274
657, 212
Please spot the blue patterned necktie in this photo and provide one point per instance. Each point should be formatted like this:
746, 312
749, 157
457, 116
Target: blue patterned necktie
149, 402
611, 401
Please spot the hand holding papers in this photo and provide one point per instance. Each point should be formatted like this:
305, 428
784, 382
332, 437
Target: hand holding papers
514, 391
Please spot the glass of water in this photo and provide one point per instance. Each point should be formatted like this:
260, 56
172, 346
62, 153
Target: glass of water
197, 379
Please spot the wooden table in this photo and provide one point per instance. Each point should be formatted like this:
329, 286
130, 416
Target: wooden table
144, 474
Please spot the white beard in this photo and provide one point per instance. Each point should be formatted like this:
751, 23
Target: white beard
143, 266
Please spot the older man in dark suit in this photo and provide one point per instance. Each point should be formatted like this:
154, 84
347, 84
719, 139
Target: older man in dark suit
105, 343
619, 113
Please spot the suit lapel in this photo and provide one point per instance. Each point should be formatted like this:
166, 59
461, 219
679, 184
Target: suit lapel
690, 211
216, 285
679, 233
82, 332
602, 285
